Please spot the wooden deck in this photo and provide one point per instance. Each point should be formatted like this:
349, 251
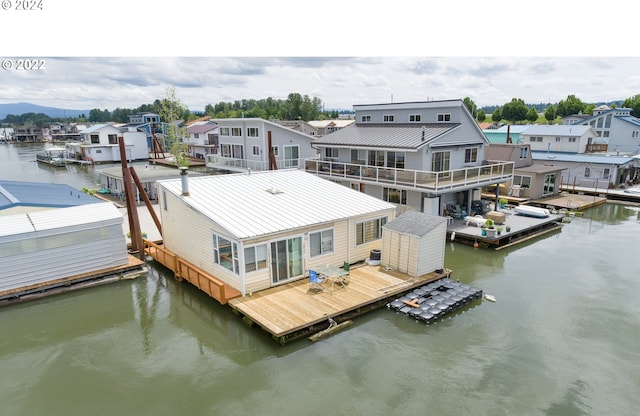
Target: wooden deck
292, 311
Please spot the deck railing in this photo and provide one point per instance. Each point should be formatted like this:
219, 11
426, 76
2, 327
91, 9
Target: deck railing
222, 162
429, 181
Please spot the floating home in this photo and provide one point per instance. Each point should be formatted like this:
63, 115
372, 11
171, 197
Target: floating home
54, 237
259, 230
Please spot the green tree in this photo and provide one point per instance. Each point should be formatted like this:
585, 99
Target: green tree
550, 114
515, 111
471, 106
172, 112
572, 105
634, 104
532, 115
482, 115
496, 116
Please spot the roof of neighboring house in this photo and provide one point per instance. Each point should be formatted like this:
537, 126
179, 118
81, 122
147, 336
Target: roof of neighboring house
221, 122
262, 203
582, 158
518, 128
387, 136
630, 119
485, 125
146, 172
539, 168
47, 195
201, 128
557, 130
325, 123
415, 223
97, 127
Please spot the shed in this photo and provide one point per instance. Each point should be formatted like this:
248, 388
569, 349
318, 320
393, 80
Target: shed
43, 247
414, 243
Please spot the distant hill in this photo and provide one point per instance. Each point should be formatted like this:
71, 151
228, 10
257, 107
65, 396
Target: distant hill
53, 112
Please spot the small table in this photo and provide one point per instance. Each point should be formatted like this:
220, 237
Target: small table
337, 275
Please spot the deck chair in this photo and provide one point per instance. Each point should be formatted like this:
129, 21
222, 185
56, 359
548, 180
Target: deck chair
315, 282
345, 278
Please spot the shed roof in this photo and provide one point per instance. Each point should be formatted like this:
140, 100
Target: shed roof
35, 194
415, 223
262, 203
387, 136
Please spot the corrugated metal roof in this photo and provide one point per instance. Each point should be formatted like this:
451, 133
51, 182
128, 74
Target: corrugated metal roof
581, 158
261, 203
387, 136
557, 130
415, 223
13, 193
630, 119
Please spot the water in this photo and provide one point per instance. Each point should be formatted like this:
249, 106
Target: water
563, 338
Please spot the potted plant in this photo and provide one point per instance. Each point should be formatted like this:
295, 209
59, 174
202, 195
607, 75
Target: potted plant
508, 228
491, 232
499, 229
502, 202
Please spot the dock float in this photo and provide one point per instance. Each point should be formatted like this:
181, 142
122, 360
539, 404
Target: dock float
435, 300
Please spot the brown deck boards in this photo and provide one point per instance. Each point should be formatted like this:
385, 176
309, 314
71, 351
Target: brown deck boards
291, 307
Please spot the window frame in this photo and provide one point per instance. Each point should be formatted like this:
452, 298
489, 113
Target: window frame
321, 250
253, 132
364, 235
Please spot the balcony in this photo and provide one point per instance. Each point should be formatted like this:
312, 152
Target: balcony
426, 181
243, 165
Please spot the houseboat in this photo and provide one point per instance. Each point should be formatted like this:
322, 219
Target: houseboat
56, 156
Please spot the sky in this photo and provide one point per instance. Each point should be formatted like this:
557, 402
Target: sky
341, 52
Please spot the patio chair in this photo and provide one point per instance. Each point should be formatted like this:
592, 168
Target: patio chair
315, 282
345, 278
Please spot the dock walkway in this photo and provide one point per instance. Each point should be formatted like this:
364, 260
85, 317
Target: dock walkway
292, 311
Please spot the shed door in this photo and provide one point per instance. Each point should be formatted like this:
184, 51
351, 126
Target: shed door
399, 252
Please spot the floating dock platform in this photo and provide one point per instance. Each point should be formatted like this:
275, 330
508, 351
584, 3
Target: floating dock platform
291, 311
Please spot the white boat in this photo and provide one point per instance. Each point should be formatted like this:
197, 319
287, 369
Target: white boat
56, 156
532, 211
490, 298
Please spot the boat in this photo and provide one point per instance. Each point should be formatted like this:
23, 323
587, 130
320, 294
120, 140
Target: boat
56, 156
490, 298
532, 211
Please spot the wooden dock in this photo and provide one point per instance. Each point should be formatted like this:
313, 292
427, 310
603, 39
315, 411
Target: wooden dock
292, 311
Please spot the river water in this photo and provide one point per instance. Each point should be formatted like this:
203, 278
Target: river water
563, 338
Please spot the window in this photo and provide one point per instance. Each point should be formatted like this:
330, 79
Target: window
471, 155
524, 152
557, 139
331, 152
275, 151
358, 156
95, 139
387, 118
444, 117
224, 131
255, 150
440, 161
572, 139
225, 253
605, 134
113, 138
395, 160
236, 131
255, 258
369, 230
376, 158
196, 135
587, 172
522, 181
605, 173
365, 119
320, 243
413, 118
252, 131
395, 196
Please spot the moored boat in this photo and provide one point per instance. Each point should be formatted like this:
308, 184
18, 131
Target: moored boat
56, 156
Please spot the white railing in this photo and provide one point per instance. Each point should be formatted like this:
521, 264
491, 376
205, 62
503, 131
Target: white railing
430, 181
221, 162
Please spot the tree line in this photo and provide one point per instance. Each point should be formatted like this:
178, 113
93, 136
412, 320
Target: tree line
303, 107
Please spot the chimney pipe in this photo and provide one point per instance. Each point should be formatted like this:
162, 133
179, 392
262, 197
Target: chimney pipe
185, 180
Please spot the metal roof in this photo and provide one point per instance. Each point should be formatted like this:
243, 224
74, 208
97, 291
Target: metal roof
630, 119
582, 158
146, 172
261, 203
557, 130
415, 223
387, 136
16, 193
202, 128
97, 127
517, 128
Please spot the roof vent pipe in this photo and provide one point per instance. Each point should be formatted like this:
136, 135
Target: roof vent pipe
184, 178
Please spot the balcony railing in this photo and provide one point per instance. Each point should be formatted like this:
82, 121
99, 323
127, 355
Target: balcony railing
428, 181
230, 163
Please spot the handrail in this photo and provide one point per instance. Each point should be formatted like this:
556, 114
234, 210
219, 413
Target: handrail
415, 179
